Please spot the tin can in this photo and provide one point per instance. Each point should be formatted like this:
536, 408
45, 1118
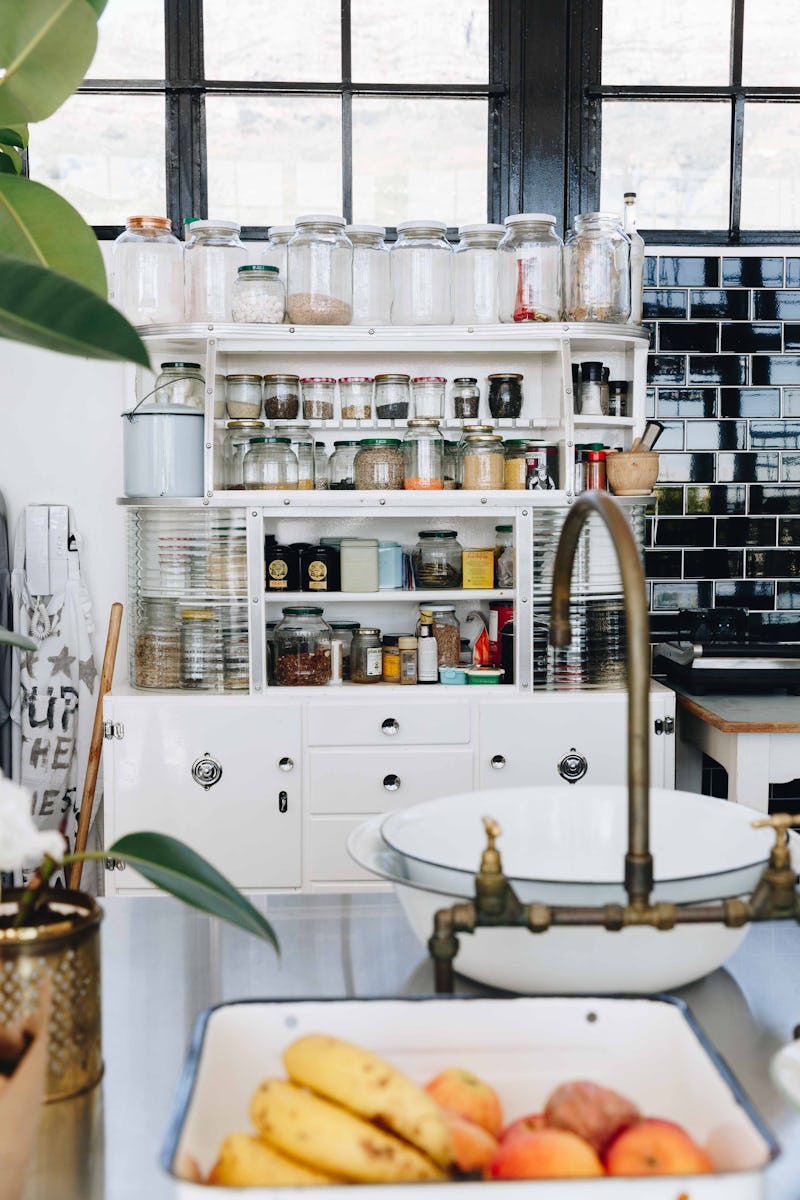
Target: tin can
500, 613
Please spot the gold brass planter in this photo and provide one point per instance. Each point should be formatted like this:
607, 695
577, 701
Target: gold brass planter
69, 950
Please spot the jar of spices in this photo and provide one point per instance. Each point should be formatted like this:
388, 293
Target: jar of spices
281, 397
504, 556
436, 559
427, 396
273, 252
201, 650
180, 383
358, 564
391, 658
211, 261
390, 566
379, 464
258, 296
505, 395
618, 398
270, 464
595, 469
319, 569
302, 648
422, 274
318, 393
355, 397
466, 398
320, 265
243, 396
147, 272
282, 568
344, 630
372, 288
423, 454
590, 397
342, 466
514, 474
238, 435
530, 268
391, 396
596, 270
303, 449
446, 632
408, 659
156, 648
366, 656
475, 275
321, 479
482, 463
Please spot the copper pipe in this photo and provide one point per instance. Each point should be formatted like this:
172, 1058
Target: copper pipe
638, 860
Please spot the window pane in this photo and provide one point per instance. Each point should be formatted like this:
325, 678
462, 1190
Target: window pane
675, 156
272, 157
131, 41
771, 167
771, 50
419, 158
667, 41
105, 154
272, 39
420, 42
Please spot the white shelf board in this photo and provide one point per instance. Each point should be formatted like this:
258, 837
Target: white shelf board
440, 596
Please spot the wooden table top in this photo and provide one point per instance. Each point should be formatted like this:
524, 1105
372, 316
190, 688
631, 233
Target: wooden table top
740, 713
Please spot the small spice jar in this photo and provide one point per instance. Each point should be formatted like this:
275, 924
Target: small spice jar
281, 397
269, 464
344, 630
427, 396
505, 395
180, 383
342, 466
514, 472
302, 643
436, 559
595, 469
355, 397
618, 398
319, 569
482, 463
408, 659
201, 650
258, 296
391, 658
304, 450
423, 454
590, 400
243, 396
466, 398
366, 656
321, 477
379, 464
238, 436
392, 395
446, 631
318, 393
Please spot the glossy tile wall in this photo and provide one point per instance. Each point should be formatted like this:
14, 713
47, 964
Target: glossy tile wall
724, 379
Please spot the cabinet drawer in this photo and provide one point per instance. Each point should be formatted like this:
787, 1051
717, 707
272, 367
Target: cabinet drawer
327, 858
372, 781
384, 721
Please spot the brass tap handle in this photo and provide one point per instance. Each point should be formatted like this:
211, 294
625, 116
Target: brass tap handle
491, 863
493, 831
781, 823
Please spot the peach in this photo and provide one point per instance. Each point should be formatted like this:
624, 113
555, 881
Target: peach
473, 1147
468, 1095
595, 1113
545, 1154
522, 1127
656, 1147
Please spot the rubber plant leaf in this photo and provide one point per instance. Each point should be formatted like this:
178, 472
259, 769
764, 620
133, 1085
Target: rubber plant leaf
46, 309
97, 5
9, 638
10, 161
174, 867
46, 47
14, 135
38, 225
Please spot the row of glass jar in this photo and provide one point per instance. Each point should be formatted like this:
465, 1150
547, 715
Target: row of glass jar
334, 274
193, 646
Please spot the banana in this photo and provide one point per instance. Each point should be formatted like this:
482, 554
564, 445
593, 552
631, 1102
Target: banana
247, 1161
371, 1087
330, 1139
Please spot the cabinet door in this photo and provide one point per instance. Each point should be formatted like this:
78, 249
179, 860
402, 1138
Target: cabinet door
248, 823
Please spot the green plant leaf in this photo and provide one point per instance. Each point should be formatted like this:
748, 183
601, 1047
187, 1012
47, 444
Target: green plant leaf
45, 309
97, 5
9, 638
38, 225
46, 47
10, 161
14, 135
171, 865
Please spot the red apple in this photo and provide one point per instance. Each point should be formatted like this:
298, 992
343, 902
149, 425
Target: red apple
545, 1154
522, 1127
656, 1147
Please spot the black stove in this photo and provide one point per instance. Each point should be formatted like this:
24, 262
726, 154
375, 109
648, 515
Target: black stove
713, 653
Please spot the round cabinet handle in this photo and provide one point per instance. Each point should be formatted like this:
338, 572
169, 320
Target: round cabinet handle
573, 766
390, 727
286, 764
206, 771
391, 783
498, 761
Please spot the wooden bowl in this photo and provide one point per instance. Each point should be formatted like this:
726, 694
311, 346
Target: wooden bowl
632, 473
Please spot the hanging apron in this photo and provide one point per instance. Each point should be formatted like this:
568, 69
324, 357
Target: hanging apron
54, 689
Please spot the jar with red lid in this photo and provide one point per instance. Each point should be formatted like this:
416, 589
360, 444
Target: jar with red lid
318, 393
355, 397
595, 461
427, 396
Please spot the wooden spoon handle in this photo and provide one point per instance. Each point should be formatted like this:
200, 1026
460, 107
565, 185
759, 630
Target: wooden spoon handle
635, 445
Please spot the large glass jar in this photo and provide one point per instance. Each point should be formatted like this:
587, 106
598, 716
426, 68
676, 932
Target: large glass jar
320, 265
281, 397
201, 650
366, 656
466, 398
596, 270
482, 463
530, 269
243, 397
318, 394
180, 383
380, 465
355, 397
342, 466
258, 295
427, 396
392, 394
238, 436
321, 466
423, 455
270, 464
273, 251
303, 448
211, 261
156, 648
147, 272
422, 274
302, 647
436, 559
372, 289
475, 275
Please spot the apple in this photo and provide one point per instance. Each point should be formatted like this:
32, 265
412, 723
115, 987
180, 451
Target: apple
545, 1154
656, 1147
473, 1147
522, 1126
468, 1095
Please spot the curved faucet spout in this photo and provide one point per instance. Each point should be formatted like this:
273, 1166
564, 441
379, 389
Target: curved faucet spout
638, 860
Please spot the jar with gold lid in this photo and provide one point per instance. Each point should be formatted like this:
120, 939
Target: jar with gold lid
483, 463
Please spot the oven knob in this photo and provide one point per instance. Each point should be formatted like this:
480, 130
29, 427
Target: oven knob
573, 766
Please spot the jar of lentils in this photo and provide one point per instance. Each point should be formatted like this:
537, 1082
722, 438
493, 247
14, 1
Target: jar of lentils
302, 648
423, 452
482, 463
391, 397
320, 263
379, 465
281, 397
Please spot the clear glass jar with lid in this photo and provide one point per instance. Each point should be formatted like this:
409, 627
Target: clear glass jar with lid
320, 266
318, 392
372, 289
147, 272
482, 463
366, 656
321, 467
422, 274
273, 251
446, 631
302, 648
258, 295
238, 436
211, 261
201, 650
436, 560
302, 442
530, 269
281, 397
380, 465
342, 466
427, 396
450, 465
515, 469
466, 398
180, 383
475, 275
423, 456
597, 270
392, 396
156, 646
243, 397
270, 464
355, 397
344, 630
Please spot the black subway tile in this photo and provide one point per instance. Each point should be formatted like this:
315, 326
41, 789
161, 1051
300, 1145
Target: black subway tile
744, 593
651, 329
681, 594
686, 271
719, 500
672, 436
773, 627
688, 402
776, 306
791, 336
684, 531
712, 564
791, 402
686, 468
750, 402
753, 272
666, 368
792, 272
650, 272
778, 500
729, 369
664, 302
788, 531
663, 564
773, 368
773, 564
788, 593
716, 435
751, 337
746, 531
669, 501
747, 468
650, 402
715, 302
690, 335
790, 468
775, 435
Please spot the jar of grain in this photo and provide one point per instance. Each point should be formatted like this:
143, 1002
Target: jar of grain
379, 465
355, 397
258, 296
281, 397
302, 646
436, 559
320, 265
304, 450
482, 463
318, 392
392, 394
243, 397
366, 656
156, 650
270, 464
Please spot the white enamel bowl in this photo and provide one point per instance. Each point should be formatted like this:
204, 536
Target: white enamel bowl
564, 846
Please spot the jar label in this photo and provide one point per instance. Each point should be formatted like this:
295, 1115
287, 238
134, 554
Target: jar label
317, 576
374, 660
277, 571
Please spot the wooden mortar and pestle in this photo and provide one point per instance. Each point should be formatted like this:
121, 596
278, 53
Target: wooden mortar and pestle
634, 472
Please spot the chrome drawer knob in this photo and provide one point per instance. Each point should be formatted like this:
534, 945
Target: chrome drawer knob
498, 761
286, 764
206, 771
390, 727
573, 766
391, 783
